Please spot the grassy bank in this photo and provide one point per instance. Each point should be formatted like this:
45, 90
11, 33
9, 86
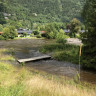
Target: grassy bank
21, 82
28, 38
62, 52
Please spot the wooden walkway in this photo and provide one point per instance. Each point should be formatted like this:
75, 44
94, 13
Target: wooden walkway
34, 58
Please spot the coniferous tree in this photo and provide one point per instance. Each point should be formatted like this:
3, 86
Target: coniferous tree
2, 10
89, 37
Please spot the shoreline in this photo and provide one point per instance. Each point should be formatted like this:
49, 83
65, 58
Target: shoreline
21, 79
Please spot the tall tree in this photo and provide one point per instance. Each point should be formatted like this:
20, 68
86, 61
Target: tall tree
89, 37
75, 27
2, 10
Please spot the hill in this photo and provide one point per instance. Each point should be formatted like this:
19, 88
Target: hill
45, 10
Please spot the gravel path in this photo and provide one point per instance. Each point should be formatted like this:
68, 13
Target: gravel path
75, 41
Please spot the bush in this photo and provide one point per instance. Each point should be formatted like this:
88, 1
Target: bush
61, 37
61, 40
36, 32
21, 35
78, 36
9, 32
6, 33
2, 38
25, 34
61, 34
51, 35
51, 31
32, 35
1, 27
39, 36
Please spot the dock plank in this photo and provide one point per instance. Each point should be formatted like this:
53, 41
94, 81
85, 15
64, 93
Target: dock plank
34, 58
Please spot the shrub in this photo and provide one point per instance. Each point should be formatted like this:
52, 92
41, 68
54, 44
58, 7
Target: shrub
61, 40
32, 35
36, 32
2, 38
25, 34
51, 31
61, 37
78, 36
9, 32
1, 27
51, 35
39, 36
21, 35
61, 34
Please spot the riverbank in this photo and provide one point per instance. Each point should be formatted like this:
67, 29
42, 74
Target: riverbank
63, 52
28, 38
21, 82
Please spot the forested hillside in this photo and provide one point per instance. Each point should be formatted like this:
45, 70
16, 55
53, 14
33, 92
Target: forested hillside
45, 10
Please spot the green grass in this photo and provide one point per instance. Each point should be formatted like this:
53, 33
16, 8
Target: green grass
63, 52
28, 38
15, 90
5, 55
22, 82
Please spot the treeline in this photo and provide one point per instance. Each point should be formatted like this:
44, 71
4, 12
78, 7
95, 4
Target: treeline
43, 11
2, 10
52, 30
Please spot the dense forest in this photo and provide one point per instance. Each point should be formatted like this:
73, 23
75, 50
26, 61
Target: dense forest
42, 11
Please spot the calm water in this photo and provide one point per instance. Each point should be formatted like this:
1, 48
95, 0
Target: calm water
26, 48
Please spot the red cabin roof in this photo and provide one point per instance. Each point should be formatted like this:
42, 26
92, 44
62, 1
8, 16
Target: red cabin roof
43, 32
1, 33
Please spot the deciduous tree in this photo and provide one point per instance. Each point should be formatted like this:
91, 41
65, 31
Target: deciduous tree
74, 27
9, 32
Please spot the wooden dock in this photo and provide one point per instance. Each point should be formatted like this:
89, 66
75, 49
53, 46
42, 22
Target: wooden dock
34, 58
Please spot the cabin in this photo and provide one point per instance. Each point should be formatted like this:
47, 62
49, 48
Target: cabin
22, 31
43, 33
68, 31
82, 31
